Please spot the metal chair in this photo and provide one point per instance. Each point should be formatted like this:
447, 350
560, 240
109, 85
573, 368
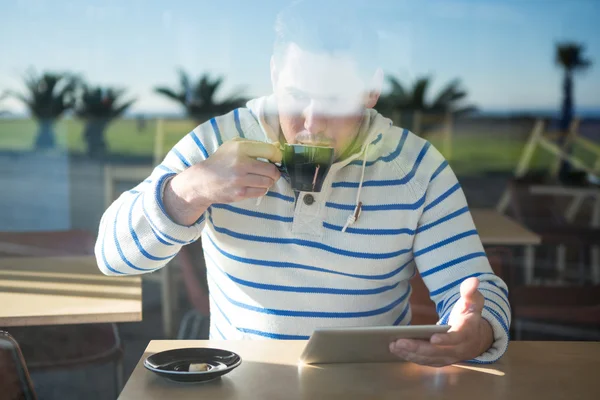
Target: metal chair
570, 312
15, 381
63, 346
71, 346
196, 322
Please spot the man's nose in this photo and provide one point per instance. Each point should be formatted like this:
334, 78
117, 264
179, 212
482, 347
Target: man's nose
315, 120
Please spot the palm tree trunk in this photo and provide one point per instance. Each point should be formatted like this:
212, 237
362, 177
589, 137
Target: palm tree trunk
45, 138
565, 121
94, 135
567, 103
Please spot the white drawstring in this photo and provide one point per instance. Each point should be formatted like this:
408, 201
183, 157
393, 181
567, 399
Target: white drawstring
352, 218
259, 199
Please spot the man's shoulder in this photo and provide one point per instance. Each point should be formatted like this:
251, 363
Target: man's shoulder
238, 123
413, 156
405, 148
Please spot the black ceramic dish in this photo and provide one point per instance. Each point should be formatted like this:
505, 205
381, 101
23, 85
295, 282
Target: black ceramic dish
174, 364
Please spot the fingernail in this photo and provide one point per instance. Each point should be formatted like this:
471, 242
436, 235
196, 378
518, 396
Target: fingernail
436, 339
471, 308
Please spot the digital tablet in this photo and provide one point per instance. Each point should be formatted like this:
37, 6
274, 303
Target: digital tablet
360, 345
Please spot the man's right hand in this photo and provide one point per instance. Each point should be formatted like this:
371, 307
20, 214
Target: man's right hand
231, 174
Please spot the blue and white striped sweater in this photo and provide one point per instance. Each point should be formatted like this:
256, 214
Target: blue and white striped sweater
282, 268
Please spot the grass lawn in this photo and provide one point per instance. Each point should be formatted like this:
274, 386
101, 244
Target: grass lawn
472, 154
123, 136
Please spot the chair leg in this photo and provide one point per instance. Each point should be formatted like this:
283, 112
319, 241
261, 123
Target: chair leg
167, 307
583, 261
184, 325
197, 323
595, 263
119, 376
194, 326
529, 264
205, 330
561, 262
518, 329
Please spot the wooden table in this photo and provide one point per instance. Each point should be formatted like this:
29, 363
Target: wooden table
499, 230
269, 370
64, 290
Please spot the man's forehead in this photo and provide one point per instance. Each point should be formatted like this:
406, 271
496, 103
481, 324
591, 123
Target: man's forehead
320, 74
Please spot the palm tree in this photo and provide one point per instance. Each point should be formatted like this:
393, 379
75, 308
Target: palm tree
570, 57
49, 96
99, 106
199, 98
400, 99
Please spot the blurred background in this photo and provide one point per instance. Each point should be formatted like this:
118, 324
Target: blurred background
94, 94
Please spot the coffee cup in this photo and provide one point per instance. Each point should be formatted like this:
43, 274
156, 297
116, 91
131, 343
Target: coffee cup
306, 166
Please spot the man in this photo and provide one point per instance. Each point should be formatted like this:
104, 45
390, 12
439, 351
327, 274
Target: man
282, 263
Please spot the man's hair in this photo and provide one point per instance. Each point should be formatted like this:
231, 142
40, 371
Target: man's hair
329, 27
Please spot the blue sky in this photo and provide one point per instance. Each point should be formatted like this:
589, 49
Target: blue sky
503, 51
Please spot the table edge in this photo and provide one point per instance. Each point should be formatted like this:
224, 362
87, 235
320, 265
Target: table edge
69, 319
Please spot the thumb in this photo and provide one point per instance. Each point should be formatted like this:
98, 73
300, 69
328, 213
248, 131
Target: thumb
472, 298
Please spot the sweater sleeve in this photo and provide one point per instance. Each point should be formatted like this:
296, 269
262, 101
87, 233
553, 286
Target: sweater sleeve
136, 235
448, 250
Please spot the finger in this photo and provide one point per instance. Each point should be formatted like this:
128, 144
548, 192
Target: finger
436, 358
258, 181
264, 169
256, 149
426, 360
420, 348
472, 299
469, 286
448, 339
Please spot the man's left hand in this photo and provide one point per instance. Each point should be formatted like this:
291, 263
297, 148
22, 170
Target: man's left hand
469, 336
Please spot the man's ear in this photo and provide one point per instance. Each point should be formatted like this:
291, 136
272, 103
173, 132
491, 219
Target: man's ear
274, 74
375, 89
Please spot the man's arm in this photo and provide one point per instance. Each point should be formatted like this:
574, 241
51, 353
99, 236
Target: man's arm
231, 174
448, 252
136, 234
147, 226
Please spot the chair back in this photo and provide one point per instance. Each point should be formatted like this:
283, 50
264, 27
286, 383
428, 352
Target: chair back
193, 268
113, 174
14, 377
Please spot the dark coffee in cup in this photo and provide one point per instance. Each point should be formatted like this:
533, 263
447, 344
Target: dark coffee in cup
306, 166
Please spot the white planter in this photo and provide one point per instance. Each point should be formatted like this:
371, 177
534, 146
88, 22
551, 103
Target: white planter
34, 191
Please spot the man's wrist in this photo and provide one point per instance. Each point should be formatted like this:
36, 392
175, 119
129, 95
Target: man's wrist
181, 202
486, 335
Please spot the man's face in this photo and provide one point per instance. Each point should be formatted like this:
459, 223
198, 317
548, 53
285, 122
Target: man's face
320, 98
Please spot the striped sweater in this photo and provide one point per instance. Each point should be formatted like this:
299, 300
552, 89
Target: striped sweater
281, 267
